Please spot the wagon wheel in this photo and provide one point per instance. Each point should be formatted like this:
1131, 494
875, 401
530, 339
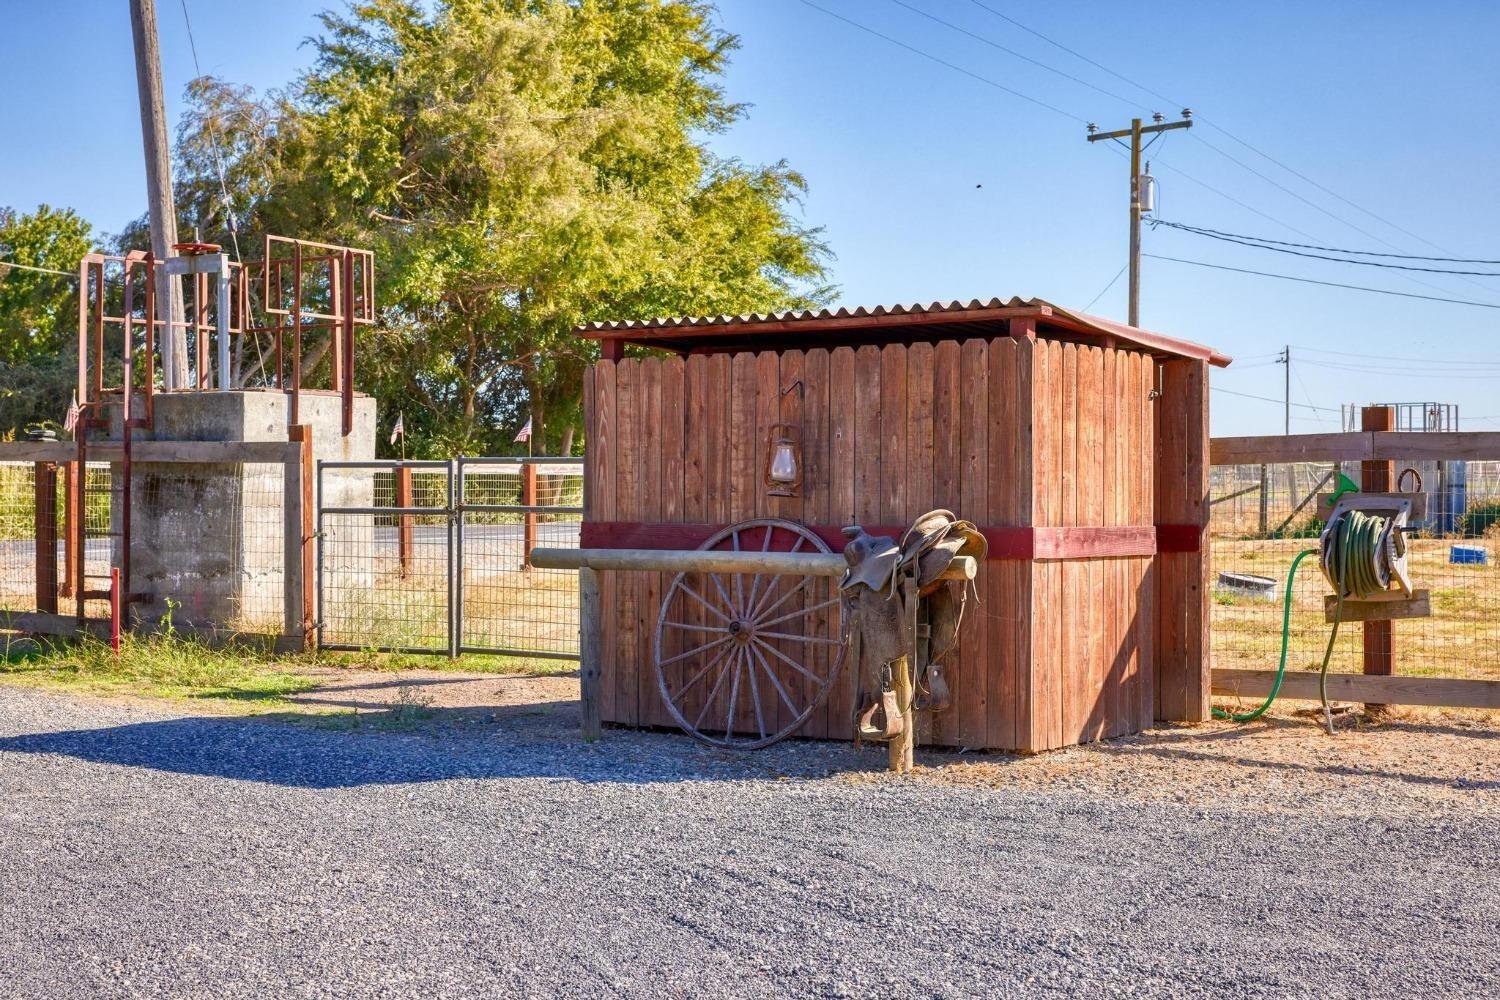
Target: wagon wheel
742, 661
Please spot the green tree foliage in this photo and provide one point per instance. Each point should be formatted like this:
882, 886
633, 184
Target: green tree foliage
39, 312
38, 315
519, 167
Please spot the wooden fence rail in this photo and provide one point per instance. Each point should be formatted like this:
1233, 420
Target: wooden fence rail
1357, 446
1377, 450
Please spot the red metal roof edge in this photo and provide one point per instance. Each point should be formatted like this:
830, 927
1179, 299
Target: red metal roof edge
629, 330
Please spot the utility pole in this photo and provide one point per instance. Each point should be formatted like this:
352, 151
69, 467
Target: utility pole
162, 210
1134, 133
1286, 398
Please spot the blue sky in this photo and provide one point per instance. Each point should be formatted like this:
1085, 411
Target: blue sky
1389, 105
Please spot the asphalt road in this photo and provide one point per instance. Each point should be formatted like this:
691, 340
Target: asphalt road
147, 854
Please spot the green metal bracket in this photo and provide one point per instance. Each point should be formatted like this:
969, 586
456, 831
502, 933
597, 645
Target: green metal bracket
1343, 485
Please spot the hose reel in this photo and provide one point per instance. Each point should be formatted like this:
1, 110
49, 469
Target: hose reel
1362, 552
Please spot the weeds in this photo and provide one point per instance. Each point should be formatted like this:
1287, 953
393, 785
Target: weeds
159, 665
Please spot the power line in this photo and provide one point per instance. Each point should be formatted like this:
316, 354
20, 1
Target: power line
234, 236
1009, 51
1314, 246
1106, 288
1071, 52
1214, 125
1268, 399
1330, 284
1404, 372
1331, 193
39, 270
1389, 357
1283, 188
943, 62
1251, 241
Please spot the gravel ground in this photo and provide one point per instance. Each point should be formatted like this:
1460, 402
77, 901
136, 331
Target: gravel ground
148, 853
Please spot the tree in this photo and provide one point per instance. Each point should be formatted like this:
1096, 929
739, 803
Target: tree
38, 310
38, 314
519, 167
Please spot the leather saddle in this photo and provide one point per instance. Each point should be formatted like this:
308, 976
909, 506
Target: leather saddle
875, 607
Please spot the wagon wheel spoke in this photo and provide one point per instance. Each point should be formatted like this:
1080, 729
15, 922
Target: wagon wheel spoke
801, 585
696, 628
800, 638
734, 656
708, 702
723, 594
765, 665
734, 692
800, 611
703, 601
760, 719
757, 610
739, 585
787, 660
751, 601
718, 658
698, 649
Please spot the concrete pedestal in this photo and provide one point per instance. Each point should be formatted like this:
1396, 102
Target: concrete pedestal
209, 541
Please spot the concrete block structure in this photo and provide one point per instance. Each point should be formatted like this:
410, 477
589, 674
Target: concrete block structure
209, 540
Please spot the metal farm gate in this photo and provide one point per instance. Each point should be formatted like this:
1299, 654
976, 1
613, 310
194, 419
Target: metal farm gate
431, 557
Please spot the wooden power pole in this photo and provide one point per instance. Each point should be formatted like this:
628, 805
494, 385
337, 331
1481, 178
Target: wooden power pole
161, 208
1134, 133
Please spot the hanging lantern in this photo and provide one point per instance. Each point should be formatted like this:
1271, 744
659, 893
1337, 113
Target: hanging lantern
784, 461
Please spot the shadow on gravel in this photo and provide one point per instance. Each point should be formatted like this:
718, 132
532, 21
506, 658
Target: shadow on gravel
382, 748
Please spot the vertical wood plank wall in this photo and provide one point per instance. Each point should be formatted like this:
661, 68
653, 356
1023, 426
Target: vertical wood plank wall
1183, 665
1007, 432
1092, 629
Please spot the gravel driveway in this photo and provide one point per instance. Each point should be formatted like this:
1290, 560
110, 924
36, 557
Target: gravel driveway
144, 853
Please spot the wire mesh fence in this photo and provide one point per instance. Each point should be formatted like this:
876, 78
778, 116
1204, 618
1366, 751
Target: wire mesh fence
432, 557
17, 537
1262, 516
508, 509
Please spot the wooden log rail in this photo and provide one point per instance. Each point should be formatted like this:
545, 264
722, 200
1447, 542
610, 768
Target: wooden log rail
591, 562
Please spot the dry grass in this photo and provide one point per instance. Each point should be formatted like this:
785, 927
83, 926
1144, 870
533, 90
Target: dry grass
1461, 639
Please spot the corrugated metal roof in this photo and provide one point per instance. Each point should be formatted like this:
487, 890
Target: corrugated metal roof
689, 331
672, 323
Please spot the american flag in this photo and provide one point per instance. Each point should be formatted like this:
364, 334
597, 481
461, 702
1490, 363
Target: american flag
525, 434
399, 430
70, 422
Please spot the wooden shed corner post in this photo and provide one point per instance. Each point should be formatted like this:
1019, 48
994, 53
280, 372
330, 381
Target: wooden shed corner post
1183, 663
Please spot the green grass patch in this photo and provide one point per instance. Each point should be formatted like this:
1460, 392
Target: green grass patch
157, 666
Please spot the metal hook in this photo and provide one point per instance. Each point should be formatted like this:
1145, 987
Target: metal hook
796, 384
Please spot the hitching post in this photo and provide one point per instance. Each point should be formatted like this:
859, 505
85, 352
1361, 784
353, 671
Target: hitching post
590, 649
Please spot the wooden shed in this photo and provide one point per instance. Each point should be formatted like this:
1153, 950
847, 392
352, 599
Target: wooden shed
1079, 446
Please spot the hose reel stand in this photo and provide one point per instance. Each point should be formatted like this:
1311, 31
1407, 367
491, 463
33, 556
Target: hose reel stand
1362, 553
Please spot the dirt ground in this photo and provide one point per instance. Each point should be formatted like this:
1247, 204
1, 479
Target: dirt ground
1411, 760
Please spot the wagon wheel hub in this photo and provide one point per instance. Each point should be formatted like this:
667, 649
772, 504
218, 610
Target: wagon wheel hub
743, 661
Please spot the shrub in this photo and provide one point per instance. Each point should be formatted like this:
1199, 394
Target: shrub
1479, 518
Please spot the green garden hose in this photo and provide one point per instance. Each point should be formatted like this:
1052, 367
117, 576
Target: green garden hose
1353, 560
1286, 629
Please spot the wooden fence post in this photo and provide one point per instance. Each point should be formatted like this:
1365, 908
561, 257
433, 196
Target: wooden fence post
590, 650
45, 513
300, 535
72, 511
528, 499
404, 532
1378, 476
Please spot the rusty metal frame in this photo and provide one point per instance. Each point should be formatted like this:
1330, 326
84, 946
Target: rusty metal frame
348, 274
